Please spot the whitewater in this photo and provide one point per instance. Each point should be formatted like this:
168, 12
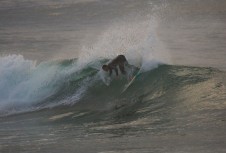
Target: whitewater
53, 92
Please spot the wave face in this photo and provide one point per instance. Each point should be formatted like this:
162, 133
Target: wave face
27, 86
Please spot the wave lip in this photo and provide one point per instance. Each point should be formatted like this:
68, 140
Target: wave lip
23, 83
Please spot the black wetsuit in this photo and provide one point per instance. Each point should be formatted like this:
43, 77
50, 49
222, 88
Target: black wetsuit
120, 61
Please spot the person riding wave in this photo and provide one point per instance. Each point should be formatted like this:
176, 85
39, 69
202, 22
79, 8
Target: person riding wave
120, 61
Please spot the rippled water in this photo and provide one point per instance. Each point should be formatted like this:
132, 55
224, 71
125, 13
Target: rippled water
52, 98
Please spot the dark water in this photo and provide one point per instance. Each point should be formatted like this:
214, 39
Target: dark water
52, 94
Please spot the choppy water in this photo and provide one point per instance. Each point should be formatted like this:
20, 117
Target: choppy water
176, 105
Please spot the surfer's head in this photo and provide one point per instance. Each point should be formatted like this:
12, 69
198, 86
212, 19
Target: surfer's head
105, 68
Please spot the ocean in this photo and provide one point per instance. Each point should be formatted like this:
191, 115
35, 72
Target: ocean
53, 97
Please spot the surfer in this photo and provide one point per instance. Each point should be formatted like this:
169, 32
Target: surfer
119, 61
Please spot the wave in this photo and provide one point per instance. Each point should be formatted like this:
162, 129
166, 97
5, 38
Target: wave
27, 86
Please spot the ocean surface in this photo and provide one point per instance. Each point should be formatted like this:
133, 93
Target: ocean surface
53, 97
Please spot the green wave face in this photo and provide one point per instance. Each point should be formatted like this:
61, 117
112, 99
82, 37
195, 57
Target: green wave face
86, 91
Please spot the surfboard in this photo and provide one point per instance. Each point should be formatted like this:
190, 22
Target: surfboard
131, 81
